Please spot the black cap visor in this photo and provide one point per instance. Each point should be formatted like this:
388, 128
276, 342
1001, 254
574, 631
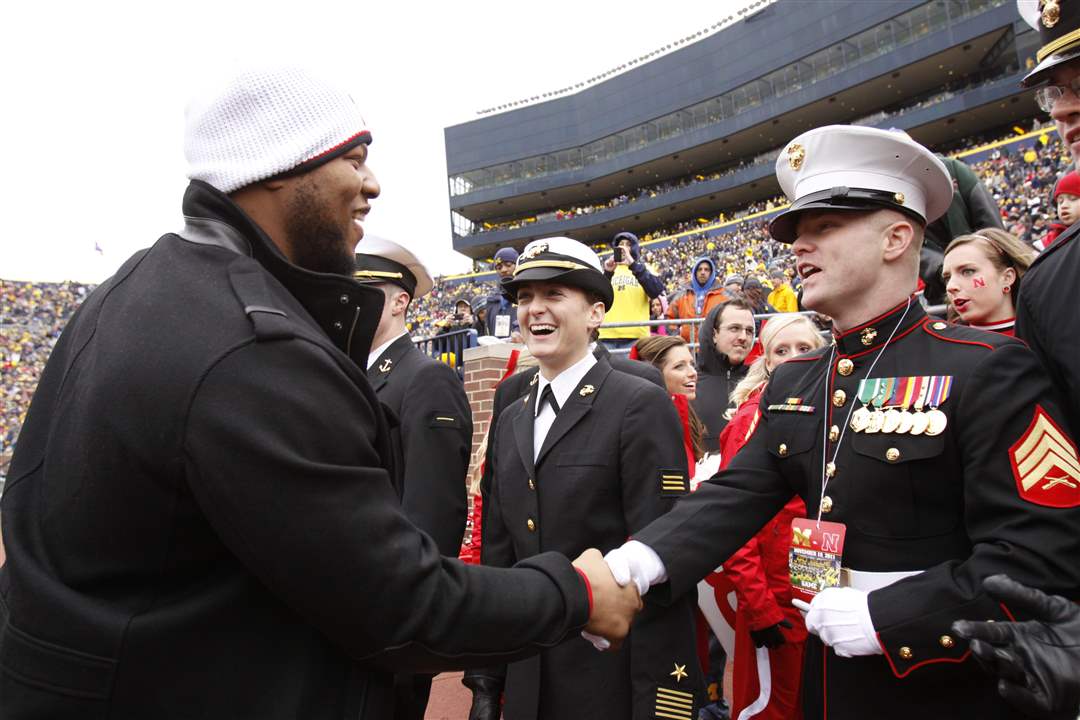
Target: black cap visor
588, 280
782, 227
1041, 74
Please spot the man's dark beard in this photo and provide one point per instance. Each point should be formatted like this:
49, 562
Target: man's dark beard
317, 242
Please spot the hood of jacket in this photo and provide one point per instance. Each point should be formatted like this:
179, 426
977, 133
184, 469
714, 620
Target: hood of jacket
709, 359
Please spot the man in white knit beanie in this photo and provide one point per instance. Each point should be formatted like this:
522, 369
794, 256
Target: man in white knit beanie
199, 518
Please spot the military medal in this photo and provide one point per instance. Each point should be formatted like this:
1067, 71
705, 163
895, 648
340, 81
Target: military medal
905, 423
884, 392
860, 419
939, 393
918, 419
892, 421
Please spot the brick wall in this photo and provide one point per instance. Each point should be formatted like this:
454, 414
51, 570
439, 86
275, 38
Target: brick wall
483, 367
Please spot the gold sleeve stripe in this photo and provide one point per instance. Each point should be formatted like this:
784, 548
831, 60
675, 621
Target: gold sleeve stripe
673, 705
675, 694
681, 716
672, 477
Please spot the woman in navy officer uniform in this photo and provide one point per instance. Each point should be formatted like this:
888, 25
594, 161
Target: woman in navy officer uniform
587, 458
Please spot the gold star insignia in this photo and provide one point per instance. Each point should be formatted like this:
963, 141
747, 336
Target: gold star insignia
587, 390
679, 673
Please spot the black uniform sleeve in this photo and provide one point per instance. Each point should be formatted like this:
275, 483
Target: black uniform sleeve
288, 475
707, 526
1006, 401
436, 434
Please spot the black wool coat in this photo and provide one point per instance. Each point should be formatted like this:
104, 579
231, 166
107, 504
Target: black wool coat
199, 520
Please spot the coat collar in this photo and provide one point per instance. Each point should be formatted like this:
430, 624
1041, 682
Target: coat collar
871, 335
379, 373
345, 310
576, 407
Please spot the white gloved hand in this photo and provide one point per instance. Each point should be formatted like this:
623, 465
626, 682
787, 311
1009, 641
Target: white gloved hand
638, 563
598, 642
841, 618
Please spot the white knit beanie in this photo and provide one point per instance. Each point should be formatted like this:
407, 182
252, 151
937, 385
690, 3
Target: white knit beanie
268, 122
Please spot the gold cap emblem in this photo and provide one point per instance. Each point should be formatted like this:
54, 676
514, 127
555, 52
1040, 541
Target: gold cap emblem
796, 156
586, 390
534, 250
1051, 13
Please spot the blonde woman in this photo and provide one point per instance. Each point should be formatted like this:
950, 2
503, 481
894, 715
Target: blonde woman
769, 632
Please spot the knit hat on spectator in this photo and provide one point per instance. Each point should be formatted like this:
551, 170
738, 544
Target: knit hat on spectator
1068, 183
560, 260
268, 122
506, 254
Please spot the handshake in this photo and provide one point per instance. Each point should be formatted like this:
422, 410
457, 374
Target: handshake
615, 601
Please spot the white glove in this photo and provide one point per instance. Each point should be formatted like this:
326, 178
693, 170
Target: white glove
636, 562
841, 618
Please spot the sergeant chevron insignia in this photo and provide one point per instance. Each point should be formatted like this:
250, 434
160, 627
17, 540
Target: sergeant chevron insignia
1045, 464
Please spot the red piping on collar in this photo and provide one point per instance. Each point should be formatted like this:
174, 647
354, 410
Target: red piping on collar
926, 327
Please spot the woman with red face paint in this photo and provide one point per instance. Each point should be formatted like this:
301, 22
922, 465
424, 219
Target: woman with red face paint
982, 274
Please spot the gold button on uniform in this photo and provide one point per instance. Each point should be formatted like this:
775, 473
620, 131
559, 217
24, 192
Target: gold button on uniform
826, 504
892, 454
532, 485
834, 433
839, 398
830, 469
940, 326
905, 653
531, 525
946, 641
782, 449
845, 367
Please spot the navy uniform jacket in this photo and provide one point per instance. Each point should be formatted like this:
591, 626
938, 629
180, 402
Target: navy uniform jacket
975, 500
612, 462
1047, 318
198, 518
431, 441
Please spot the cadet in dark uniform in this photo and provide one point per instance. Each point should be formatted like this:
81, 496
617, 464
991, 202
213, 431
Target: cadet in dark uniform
432, 437
939, 448
588, 457
1046, 317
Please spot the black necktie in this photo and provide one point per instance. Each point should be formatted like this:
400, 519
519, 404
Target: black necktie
549, 397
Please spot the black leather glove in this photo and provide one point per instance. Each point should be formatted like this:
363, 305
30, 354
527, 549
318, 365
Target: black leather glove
487, 696
770, 637
1037, 662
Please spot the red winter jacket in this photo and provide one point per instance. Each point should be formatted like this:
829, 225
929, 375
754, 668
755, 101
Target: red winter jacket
759, 570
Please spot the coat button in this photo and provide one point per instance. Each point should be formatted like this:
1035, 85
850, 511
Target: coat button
338, 325
532, 485
782, 449
839, 398
940, 326
531, 525
826, 504
905, 653
830, 469
344, 299
946, 641
834, 433
845, 367
892, 454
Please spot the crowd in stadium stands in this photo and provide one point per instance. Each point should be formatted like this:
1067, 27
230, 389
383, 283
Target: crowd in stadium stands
33, 314
1020, 177
765, 158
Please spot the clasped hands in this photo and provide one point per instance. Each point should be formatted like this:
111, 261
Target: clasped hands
613, 605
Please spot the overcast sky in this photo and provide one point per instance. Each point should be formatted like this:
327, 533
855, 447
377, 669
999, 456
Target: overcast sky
94, 97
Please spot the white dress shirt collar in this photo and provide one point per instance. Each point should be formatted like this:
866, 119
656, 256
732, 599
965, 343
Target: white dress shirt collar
374, 354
